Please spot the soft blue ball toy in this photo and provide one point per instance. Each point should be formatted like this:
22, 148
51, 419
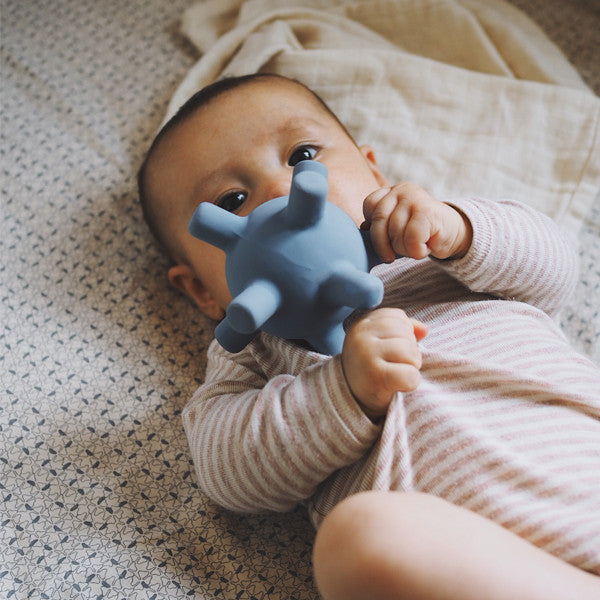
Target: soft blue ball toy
296, 266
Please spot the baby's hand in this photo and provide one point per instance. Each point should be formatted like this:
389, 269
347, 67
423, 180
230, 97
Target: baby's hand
406, 220
381, 356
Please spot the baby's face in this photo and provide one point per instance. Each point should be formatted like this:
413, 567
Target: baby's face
239, 152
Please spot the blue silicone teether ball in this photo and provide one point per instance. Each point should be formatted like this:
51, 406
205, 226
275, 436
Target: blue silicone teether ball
296, 266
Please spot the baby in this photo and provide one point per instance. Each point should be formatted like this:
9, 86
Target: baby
452, 450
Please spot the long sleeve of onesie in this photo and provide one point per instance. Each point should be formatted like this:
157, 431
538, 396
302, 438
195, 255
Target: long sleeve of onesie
517, 253
262, 440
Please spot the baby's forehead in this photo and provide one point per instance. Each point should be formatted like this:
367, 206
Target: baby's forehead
278, 88
233, 109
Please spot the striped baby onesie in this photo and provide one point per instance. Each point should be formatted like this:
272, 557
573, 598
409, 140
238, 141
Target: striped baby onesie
505, 421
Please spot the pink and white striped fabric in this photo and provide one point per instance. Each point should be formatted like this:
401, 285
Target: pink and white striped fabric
505, 422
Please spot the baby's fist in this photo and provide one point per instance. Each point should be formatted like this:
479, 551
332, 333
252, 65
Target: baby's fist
406, 220
381, 356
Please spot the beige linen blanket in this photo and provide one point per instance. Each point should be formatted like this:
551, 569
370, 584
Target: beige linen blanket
464, 97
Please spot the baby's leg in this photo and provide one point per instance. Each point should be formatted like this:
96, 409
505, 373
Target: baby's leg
394, 546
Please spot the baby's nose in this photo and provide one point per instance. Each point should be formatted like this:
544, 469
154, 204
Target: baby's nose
276, 187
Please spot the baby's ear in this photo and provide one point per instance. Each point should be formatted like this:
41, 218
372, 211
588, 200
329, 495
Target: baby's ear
185, 280
369, 154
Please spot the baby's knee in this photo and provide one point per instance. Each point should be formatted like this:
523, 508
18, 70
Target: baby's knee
346, 528
355, 554
363, 522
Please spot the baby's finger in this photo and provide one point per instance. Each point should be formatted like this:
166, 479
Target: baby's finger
420, 329
378, 216
388, 322
417, 234
372, 200
400, 377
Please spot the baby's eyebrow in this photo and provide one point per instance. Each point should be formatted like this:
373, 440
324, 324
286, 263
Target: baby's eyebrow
293, 124
199, 193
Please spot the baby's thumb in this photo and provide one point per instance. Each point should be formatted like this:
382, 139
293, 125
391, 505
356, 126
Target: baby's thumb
371, 201
420, 329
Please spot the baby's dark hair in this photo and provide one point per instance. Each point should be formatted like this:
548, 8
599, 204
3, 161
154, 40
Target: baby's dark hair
151, 206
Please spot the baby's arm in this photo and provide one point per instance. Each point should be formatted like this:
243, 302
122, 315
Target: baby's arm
517, 253
261, 443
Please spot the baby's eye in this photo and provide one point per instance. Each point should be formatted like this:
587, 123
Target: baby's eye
232, 201
302, 153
